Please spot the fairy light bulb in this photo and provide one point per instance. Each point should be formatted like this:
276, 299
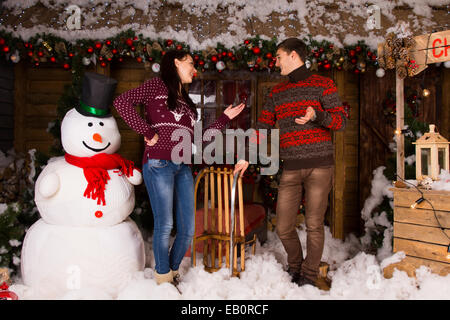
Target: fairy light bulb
425, 92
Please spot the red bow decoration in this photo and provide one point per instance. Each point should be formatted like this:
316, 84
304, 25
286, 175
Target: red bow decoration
95, 171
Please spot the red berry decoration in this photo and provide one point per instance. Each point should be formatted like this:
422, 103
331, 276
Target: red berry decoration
6, 49
327, 66
135, 38
40, 54
316, 54
70, 54
120, 59
321, 50
66, 66
269, 55
224, 54
30, 53
52, 59
352, 53
133, 48
139, 59
129, 42
358, 49
247, 41
201, 62
179, 47
353, 61
90, 50
103, 64
196, 57
356, 71
230, 54
256, 50
2, 41
114, 51
108, 42
98, 45
169, 42
214, 59
26, 44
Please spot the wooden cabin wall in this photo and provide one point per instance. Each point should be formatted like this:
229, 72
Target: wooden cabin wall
6, 106
37, 91
346, 216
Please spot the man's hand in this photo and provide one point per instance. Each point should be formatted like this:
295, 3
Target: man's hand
242, 165
310, 115
152, 141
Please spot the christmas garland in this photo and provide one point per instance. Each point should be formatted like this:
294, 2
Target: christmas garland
253, 54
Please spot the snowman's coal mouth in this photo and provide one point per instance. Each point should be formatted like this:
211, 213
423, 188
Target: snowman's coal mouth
94, 149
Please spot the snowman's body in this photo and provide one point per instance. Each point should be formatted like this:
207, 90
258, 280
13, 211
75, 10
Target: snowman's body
69, 207
80, 244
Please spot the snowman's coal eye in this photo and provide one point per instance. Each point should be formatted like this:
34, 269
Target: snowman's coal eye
90, 124
101, 123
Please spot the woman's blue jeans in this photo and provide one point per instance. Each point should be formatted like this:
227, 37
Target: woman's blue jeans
170, 186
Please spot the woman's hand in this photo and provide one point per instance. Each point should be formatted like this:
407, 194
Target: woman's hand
241, 166
233, 112
152, 141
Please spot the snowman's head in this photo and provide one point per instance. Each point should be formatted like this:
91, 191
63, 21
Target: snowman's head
84, 136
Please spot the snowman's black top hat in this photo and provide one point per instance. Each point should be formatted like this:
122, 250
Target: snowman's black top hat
96, 95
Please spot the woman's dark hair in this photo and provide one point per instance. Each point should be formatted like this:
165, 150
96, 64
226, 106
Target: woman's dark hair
294, 44
172, 80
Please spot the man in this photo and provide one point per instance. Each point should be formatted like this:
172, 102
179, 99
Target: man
307, 108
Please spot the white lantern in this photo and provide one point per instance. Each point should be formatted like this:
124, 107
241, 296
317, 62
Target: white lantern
432, 155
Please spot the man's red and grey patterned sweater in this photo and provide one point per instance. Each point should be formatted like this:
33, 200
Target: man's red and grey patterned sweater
308, 145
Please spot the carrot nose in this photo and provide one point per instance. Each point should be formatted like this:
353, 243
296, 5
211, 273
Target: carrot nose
97, 137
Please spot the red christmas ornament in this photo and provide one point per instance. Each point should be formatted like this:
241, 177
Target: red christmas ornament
369, 53
98, 45
109, 59
100, 58
70, 54
224, 54
133, 48
90, 50
358, 49
135, 38
269, 55
233, 58
129, 42
103, 64
5, 294
2, 41
258, 60
230, 54
201, 62
120, 59
252, 69
52, 59
169, 42
26, 44
353, 61
66, 66
30, 53
271, 65
316, 54
114, 51
331, 46
6, 49
179, 47
196, 57
37, 64
356, 71
163, 52
214, 59
321, 50
352, 53
40, 54
327, 66
108, 42
139, 59
256, 50
247, 41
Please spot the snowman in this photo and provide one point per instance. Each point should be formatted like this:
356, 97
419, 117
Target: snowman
85, 239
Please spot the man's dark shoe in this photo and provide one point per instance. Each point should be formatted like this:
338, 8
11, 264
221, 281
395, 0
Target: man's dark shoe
295, 275
304, 281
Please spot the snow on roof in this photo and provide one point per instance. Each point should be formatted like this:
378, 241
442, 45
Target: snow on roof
204, 23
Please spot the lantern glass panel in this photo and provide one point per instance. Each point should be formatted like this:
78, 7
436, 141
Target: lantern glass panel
441, 159
425, 154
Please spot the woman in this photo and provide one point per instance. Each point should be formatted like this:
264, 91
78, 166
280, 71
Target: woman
168, 107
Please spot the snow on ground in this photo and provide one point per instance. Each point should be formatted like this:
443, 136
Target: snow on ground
354, 274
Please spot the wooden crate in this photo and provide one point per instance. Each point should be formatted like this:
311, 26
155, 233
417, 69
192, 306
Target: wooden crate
417, 232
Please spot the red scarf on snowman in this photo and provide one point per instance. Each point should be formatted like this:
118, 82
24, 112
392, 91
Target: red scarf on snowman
95, 171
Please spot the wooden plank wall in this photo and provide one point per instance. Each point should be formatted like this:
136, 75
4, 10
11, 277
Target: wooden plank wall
37, 91
346, 212
6, 106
